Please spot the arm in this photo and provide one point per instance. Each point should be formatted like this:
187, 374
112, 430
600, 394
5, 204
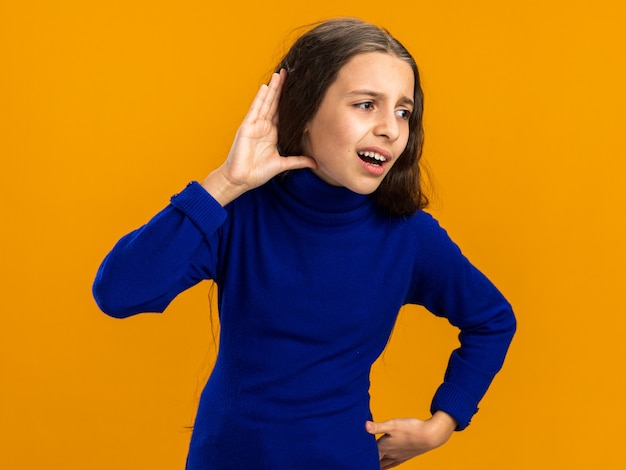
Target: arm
147, 268
448, 285
177, 248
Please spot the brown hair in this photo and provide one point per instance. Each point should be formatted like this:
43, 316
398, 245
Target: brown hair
312, 65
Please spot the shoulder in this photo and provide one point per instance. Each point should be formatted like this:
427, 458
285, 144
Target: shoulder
426, 231
422, 221
435, 253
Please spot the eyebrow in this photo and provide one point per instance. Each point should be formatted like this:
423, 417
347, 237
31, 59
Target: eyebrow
374, 94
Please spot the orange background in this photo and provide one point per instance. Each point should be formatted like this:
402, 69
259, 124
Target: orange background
108, 107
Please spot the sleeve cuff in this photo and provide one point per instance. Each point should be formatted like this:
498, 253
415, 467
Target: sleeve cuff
455, 401
197, 204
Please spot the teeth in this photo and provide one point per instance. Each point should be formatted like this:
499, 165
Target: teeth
374, 155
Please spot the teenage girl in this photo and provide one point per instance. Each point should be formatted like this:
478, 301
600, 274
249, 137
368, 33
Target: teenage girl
314, 231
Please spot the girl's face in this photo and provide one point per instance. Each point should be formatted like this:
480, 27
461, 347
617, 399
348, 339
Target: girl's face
362, 124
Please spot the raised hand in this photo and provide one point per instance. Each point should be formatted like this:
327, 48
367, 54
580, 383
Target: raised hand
405, 438
253, 158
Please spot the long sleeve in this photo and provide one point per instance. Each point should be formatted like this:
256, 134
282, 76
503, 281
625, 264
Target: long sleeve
175, 250
450, 286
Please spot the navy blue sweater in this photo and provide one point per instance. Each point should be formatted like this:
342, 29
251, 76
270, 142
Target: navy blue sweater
310, 280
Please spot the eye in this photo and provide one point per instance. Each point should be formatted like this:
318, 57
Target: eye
404, 113
367, 105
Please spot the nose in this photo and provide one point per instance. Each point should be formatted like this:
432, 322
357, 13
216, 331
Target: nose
387, 125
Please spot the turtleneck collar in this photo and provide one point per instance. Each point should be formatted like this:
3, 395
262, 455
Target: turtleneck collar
315, 195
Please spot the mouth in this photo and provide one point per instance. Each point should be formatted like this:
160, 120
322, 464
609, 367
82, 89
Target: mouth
372, 158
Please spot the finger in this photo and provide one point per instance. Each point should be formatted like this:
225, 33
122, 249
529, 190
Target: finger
384, 448
257, 105
388, 463
270, 100
275, 98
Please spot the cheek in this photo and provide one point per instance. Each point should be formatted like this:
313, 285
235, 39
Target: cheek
348, 133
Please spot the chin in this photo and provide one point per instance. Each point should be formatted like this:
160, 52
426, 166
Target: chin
364, 189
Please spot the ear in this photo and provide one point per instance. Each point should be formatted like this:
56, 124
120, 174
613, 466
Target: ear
305, 139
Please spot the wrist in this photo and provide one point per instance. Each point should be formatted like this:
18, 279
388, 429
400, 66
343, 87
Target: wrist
222, 188
443, 425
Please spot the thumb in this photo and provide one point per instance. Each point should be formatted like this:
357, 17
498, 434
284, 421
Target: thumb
297, 162
378, 428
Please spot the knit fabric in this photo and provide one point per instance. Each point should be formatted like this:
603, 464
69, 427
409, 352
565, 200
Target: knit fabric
310, 280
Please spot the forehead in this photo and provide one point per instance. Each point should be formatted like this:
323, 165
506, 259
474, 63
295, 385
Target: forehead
376, 71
